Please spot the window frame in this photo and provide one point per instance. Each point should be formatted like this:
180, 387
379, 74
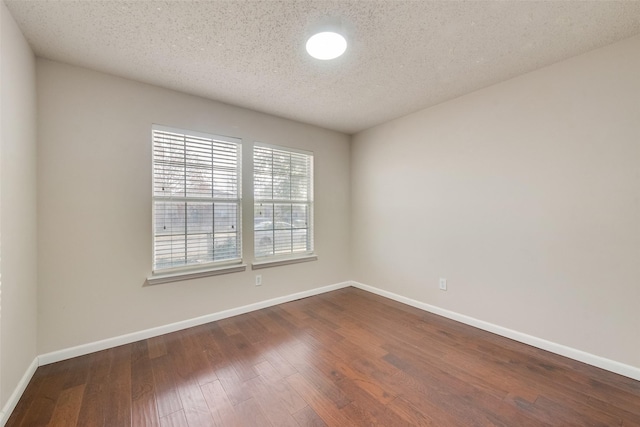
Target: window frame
271, 260
188, 271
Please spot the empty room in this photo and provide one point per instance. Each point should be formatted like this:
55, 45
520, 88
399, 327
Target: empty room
319, 213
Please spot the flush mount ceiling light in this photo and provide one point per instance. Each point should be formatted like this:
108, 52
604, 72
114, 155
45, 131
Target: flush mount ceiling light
326, 45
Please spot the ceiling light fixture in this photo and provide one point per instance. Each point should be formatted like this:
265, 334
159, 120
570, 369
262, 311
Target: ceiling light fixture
326, 45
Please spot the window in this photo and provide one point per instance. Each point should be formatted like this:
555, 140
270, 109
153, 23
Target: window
283, 197
196, 199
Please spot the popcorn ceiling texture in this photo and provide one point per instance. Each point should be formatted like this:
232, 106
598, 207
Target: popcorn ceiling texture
402, 55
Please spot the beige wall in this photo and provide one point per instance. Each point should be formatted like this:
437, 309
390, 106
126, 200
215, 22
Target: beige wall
17, 206
524, 195
94, 206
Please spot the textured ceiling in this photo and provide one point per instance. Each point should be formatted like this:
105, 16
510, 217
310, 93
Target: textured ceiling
402, 55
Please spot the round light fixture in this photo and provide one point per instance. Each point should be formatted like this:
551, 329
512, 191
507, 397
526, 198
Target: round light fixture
326, 45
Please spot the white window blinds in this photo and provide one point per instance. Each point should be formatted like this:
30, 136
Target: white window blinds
196, 199
283, 197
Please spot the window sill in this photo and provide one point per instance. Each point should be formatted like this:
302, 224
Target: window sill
283, 261
158, 279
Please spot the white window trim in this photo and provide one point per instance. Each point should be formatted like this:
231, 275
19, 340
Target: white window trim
275, 262
190, 273
283, 148
209, 269
298, 257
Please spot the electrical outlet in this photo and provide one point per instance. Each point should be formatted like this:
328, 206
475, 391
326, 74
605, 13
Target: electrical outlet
258, 279
443, 284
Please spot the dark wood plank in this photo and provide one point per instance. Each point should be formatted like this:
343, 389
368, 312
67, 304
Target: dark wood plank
116, 400
280, 388
42, 404
143, 397
251, 329
33, 406
184, 362
96, 389
344, 358
272, 407
175, 419
410, 413
237, 390
219, 404
156, 347
196, 345
307, 417
318, 401
167, 398
236, 350
250, 414
67, 407
318, 372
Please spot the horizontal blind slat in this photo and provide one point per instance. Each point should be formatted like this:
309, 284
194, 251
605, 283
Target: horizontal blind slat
283, 207
196, 199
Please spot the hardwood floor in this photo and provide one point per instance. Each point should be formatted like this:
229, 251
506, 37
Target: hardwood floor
345, 358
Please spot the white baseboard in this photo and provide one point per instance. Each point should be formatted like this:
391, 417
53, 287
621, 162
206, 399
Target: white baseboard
17, 393
83, 349
572, 353
56, 356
